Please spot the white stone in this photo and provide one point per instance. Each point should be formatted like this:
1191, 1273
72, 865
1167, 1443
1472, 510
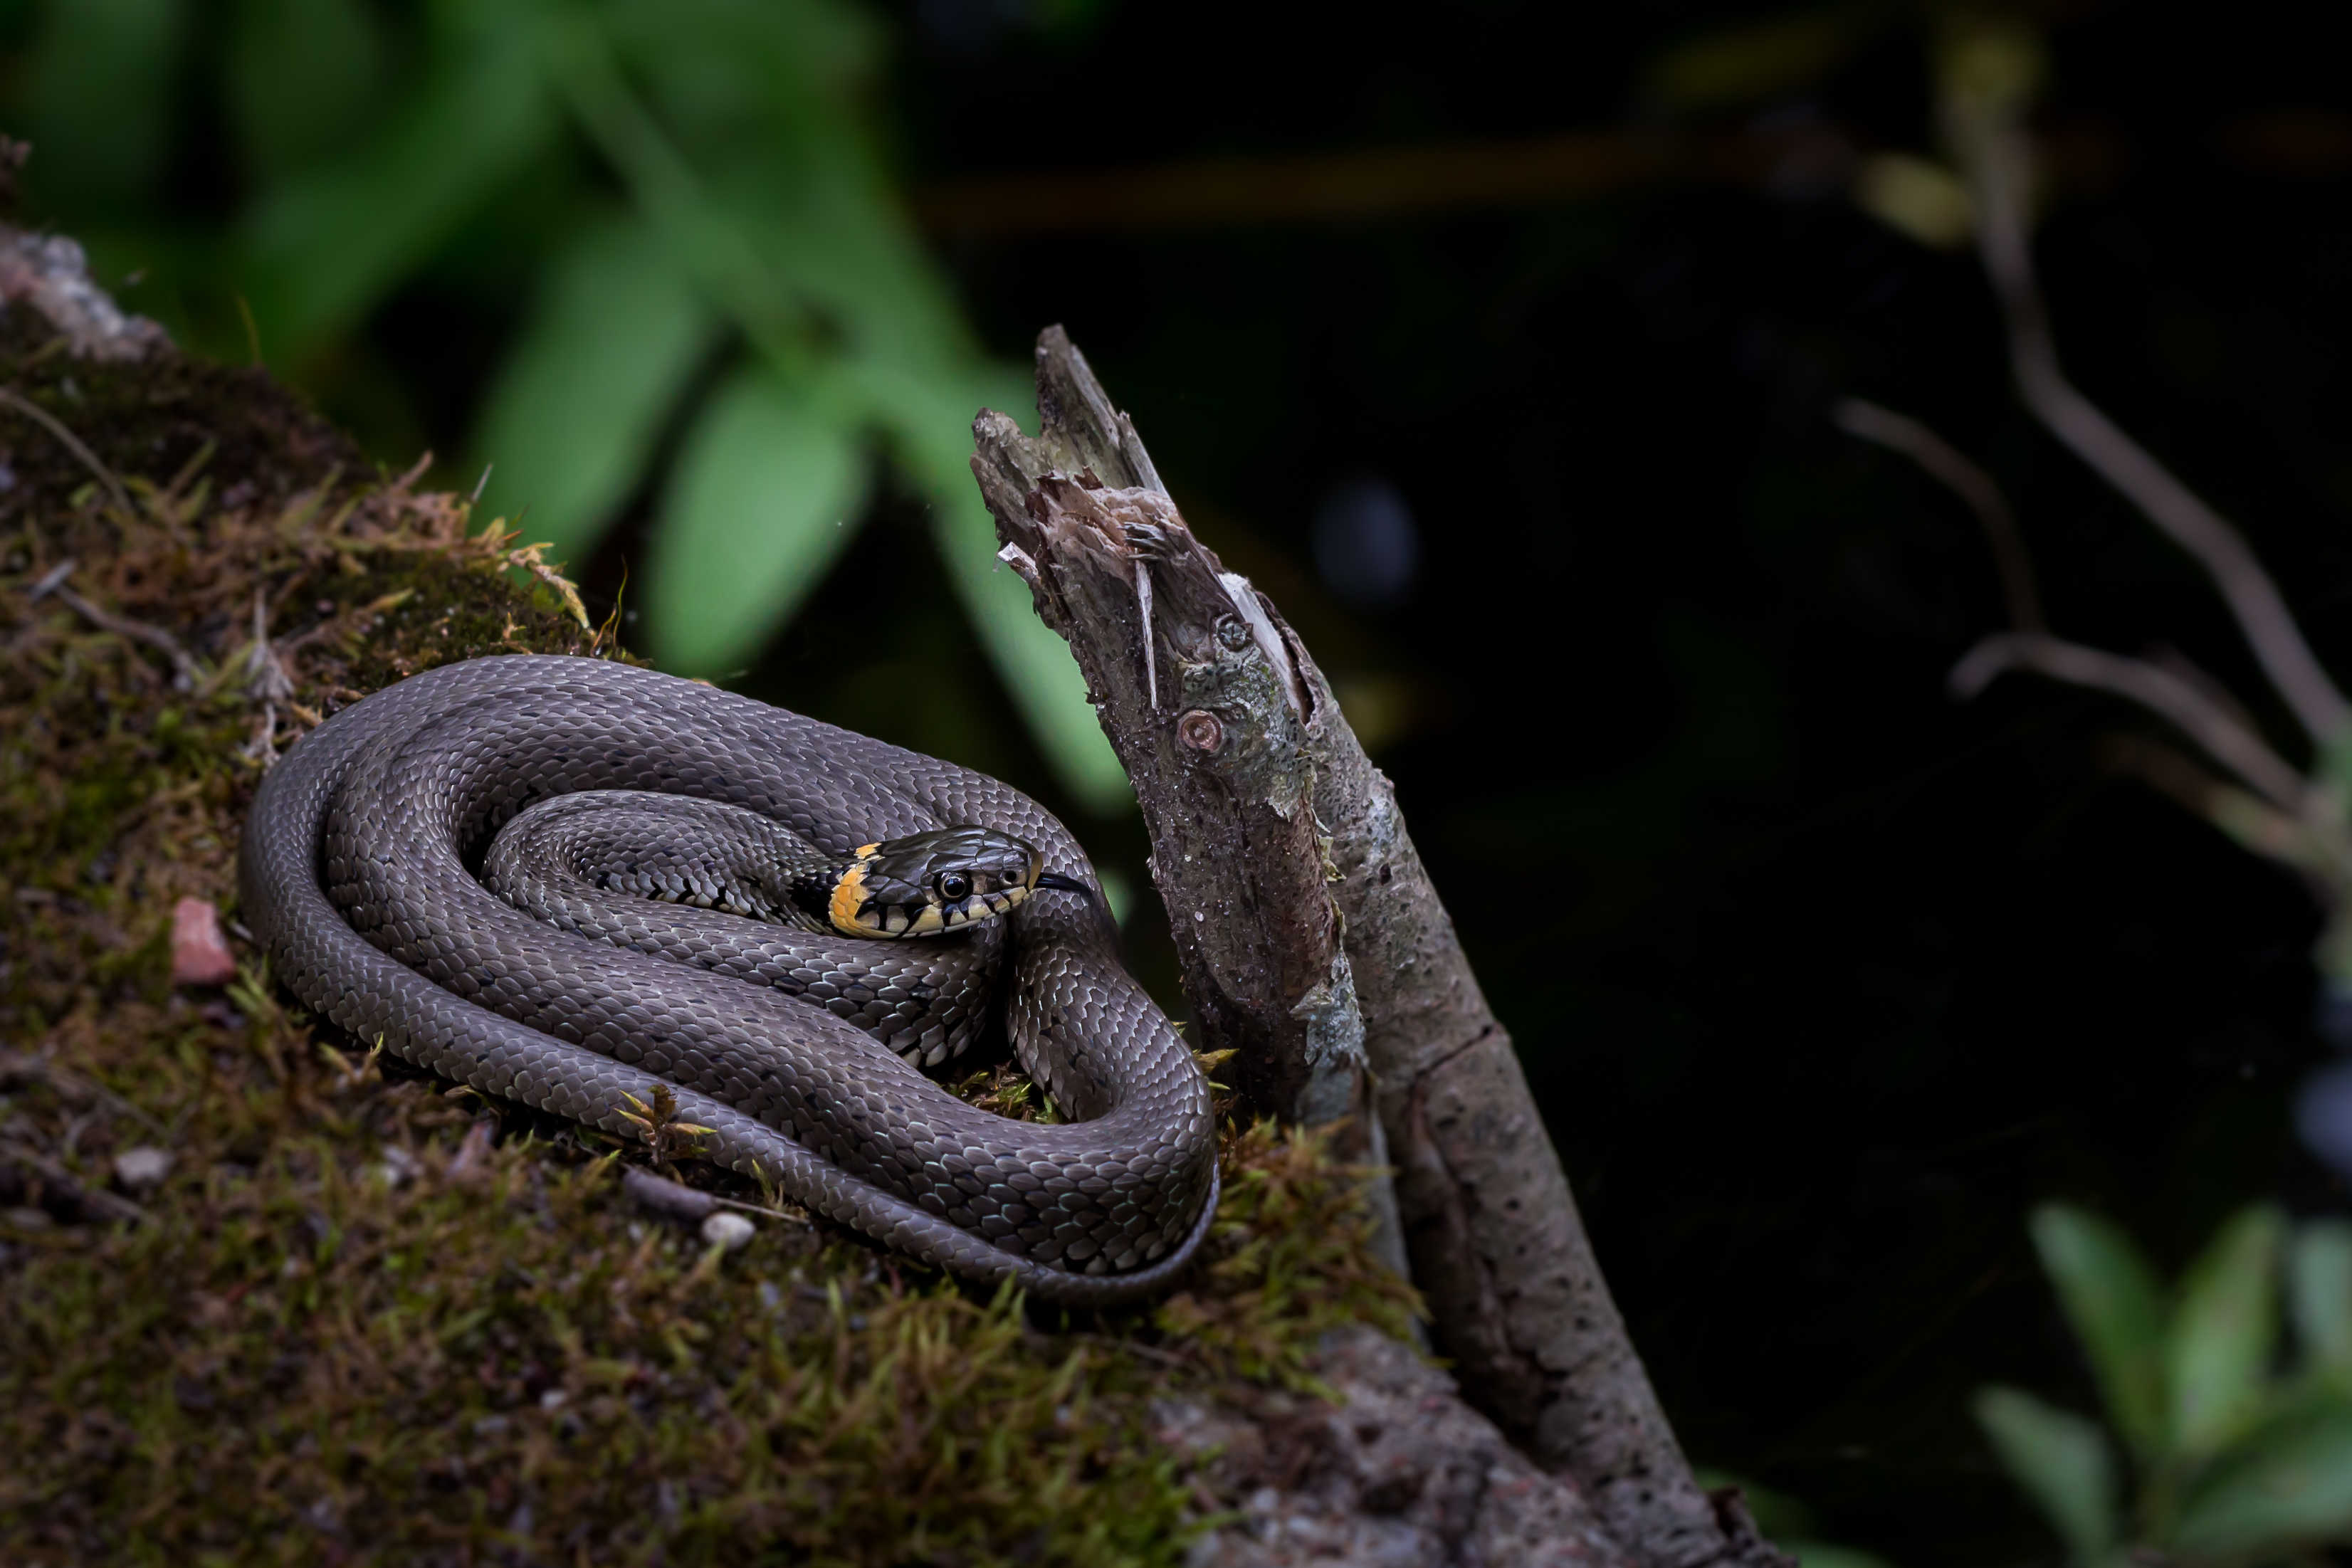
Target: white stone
142, 1167
728, 1231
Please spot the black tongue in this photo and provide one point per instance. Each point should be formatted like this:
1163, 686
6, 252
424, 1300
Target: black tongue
1060, 884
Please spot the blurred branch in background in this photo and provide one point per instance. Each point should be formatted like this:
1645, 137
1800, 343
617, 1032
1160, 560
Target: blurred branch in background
1990, 77
1573, 166
2231, 1462
1941, 460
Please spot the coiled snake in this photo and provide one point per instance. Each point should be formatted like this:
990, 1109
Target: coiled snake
358, 873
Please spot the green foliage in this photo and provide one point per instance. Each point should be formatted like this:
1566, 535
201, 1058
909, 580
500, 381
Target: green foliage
2063, 1463
2114, 1306
616, 335
2320, 1287
2234, 1458
769, 480
2289, 1483
2223, 1334
673, 187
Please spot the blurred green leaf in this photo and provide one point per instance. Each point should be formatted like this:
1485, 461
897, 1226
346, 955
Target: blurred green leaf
301, 77
98, 99
2116, 1309
325, 248
2222, 1332
1755, 60
1990, 65
718, 68
573, 417
2293, 1483
931, 427
2062, 1461
763, 500
1919, 199
2319, 1275
832, 231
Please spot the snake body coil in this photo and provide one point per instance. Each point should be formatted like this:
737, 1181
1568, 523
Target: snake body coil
358, 874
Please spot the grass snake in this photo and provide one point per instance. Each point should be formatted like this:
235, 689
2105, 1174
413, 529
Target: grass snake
358, 873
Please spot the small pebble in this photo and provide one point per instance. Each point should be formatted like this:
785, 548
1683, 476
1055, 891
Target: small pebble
728, 1231
141, 1167
397, 1166
200, 954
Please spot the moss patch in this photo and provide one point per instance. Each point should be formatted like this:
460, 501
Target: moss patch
359, 1320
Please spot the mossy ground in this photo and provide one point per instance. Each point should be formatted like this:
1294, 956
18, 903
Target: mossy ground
362, 1320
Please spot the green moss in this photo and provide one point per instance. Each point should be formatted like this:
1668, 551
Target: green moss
354, 1325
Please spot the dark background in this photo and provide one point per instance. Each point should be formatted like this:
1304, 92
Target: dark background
1823, 979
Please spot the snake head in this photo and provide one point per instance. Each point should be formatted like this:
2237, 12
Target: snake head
943, 879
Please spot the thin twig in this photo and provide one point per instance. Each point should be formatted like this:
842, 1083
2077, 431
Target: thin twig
15, 1065
2320, 855
72, 443
185, 671
97, 1201
414, 472
1942, 461
50, 578
1998, 164
2158, 690
2166, 657
266, 677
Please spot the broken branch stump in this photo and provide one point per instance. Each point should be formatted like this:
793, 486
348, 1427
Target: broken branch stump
1311, 942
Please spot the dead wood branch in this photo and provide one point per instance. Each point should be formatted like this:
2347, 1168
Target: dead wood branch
1312, 940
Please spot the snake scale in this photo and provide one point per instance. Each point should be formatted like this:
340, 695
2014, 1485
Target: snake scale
358, 873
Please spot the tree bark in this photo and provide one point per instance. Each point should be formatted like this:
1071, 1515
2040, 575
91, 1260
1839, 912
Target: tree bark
1312, 943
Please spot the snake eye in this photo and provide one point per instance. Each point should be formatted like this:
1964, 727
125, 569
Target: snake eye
953, 885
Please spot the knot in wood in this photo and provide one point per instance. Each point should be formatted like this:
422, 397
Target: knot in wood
1233, 634
1200, 729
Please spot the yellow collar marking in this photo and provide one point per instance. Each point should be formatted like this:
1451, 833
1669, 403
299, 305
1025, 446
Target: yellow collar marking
849, 895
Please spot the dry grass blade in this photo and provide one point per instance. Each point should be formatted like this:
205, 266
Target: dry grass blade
73, 443
185, 671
